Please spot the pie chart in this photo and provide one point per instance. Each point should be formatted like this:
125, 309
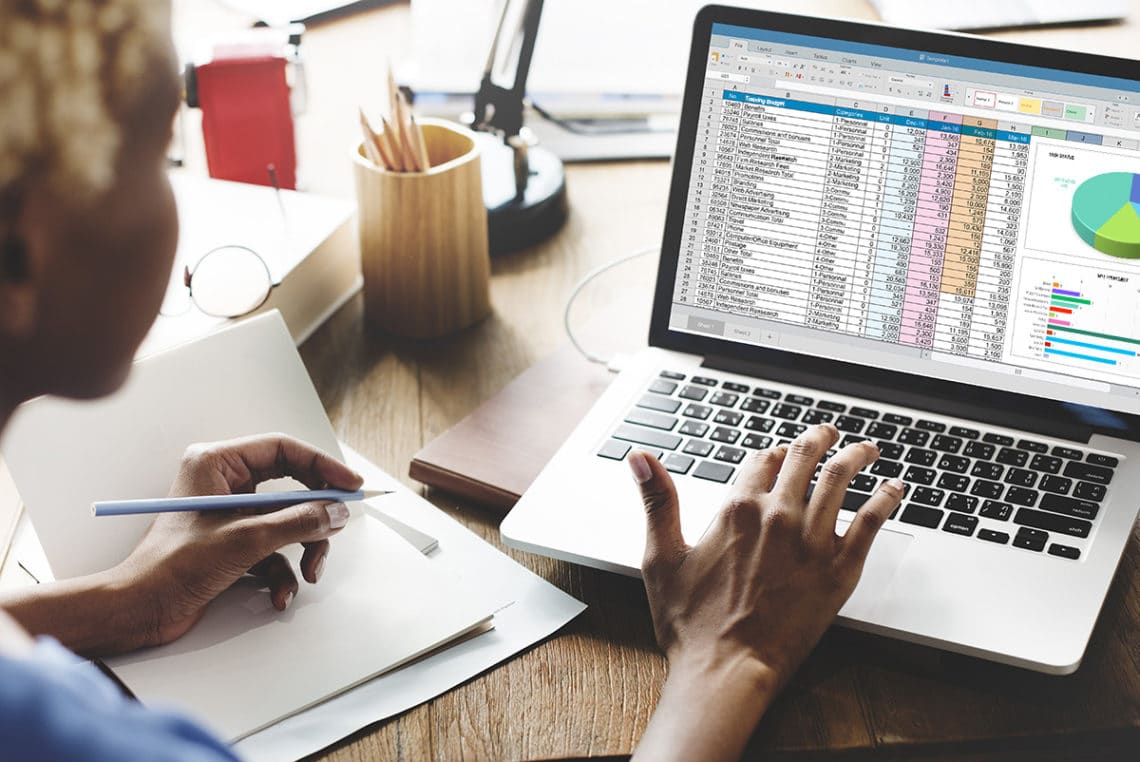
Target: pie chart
1106, 213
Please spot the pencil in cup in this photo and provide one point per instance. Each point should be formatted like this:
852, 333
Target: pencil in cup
423, 237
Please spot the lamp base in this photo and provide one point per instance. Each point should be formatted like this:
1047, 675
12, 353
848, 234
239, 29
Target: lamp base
512, 222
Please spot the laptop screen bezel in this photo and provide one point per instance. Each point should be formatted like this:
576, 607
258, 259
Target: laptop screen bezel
888, 382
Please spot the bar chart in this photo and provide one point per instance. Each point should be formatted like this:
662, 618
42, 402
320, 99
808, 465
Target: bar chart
1063, 339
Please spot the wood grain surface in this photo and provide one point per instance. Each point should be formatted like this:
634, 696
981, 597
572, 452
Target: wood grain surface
589, 691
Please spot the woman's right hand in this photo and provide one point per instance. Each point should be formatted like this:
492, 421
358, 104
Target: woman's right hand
744, 607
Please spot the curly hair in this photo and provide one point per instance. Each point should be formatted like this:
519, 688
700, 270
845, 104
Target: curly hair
69, 72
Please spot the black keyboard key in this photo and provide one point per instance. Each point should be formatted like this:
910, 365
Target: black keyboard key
890, 450
1046, 463
813, 417
730, 454
724, 399
921, 457
1010, 457
1067, 452
880, 430
965, 433
850, 424
756, 441
992, 509
1087, 491
983, 488
886, 468
1069, 506
693, 429
698, 447
1102, 460
927, 425
1064, 551
954, 464
1088, 473
1021, 496
834, 407
1052, 522
998, 439
770, 394
732, 386
979, 450
713, 471
864, 412
728, 417
786, 411
790, 430
954, 482
672, 374
647, 437
956, 523
1030, 539
697, 411
987, 471
927, 496
657, 402
1032, 445
756, 423
914, 437
898, 420
798, 399
678, 464
864, 483
922, 516
724, 434
755, 405
962, 503
704, 381
990, 535
850, 439
614, 450
944, 443
661, 386
1020, 477
916, 475
694, 393
1058, 485
651, 419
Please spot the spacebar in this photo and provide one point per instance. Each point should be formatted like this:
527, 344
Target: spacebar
648, 437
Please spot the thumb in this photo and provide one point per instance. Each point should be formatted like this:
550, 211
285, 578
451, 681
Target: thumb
662, 511
305, 522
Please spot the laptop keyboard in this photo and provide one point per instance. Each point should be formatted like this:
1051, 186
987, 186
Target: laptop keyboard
966, 480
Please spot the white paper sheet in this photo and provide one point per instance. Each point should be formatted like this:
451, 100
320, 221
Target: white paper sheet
538, 610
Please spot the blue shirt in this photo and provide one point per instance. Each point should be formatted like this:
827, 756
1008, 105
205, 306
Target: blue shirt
56, 706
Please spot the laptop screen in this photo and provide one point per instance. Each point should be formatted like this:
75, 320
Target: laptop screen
956, 218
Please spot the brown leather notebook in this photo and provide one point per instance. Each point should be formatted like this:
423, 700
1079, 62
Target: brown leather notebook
493, 455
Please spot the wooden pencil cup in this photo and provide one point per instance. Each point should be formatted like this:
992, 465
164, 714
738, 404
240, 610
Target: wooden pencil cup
423, 238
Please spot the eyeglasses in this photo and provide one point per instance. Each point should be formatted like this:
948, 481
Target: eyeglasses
227, 282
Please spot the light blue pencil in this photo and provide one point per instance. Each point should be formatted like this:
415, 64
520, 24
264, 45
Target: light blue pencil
229, 502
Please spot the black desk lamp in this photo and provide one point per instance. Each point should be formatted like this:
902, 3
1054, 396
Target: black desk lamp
524, 186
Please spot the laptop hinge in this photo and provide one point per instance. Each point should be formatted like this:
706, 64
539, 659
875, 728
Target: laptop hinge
974, 409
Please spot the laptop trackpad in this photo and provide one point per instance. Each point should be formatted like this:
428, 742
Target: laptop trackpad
883, 561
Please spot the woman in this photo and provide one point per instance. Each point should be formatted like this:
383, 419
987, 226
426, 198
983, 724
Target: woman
87, 238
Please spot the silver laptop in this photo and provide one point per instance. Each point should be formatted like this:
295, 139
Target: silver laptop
933, 242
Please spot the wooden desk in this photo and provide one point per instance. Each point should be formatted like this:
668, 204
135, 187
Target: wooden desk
591, 689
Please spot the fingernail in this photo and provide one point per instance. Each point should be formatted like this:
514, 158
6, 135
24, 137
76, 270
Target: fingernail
338, 515
319, 569
288, 598
897, 484
639, 465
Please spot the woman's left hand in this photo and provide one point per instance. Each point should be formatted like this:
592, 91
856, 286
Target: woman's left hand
187, 559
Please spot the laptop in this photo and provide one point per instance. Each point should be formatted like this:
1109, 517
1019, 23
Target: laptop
931, 241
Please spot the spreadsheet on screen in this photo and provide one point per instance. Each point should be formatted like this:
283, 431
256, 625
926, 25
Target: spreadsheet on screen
970, 219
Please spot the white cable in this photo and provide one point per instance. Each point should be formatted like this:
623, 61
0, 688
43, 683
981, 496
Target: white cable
586, 279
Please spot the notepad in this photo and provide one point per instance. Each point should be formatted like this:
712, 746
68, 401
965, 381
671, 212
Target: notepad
245, 665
